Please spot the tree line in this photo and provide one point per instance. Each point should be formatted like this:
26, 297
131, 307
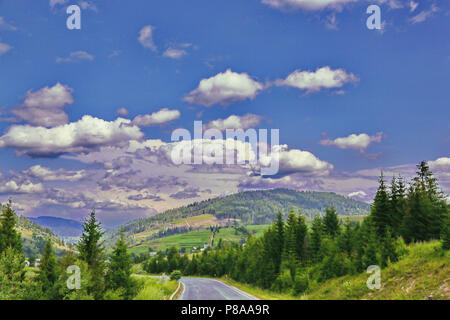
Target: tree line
102, 276
291, 255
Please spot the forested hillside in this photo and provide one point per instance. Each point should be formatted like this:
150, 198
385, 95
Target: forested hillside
251, 207
34, 236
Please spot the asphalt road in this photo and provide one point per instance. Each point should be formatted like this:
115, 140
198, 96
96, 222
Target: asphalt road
209, 289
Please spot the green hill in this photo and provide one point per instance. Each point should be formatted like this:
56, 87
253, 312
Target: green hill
245, 208
34, 237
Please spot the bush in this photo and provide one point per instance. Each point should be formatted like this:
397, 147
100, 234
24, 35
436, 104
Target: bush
175, 275
283, 282
301, 284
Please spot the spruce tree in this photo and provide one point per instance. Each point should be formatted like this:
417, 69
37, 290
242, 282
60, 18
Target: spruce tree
119, 270
48, 271
10, 238
91, 250
397, 204
380, 210
315, 242
331, 222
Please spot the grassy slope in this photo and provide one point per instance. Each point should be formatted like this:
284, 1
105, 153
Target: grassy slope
423, 272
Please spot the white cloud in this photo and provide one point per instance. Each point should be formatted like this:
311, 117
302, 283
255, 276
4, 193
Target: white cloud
13, 187
298, 161
6, 26
224, 89
88, 5
441, 164
235, 122
85, 135
159, 117
47, 174
45, 106
353, 141
122, 112
146, 37
53, 3
4, 48
174, 53
306, 4
314, 81
424, 15
77, 56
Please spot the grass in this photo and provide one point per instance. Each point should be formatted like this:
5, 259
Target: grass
423, 273
156, 289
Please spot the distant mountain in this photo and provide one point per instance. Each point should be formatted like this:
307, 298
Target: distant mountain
250, 207
60, 226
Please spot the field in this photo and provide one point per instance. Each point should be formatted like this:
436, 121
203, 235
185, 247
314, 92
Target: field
195, 239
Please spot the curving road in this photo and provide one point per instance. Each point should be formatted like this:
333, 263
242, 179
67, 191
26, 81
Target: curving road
210, 289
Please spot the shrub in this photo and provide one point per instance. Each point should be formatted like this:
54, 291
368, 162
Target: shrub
301, 284
175, 275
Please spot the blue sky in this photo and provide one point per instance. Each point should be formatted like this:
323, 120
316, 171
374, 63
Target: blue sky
348, 101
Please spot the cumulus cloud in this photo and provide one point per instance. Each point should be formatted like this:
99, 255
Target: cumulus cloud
353, 141
156, 118
424, 15
122, 112
4, 48
314, 81
174, 53
224, 88
77, 56
87, 134
45, 106
306, 4
298, 161
188, 193
14, 187
235, 122
441, 164
146, 38
47, 174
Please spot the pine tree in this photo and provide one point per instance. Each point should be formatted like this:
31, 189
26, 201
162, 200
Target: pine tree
370, 256
388, 252
48, 271
426, 208
90, 248
278, 241
397, 204
12, 274
315, 242
380, 210
331, 222
9, 237
119, 270
290, 248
